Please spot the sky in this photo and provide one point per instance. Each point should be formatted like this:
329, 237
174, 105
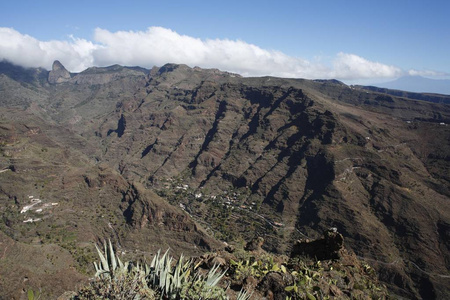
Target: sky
352, 41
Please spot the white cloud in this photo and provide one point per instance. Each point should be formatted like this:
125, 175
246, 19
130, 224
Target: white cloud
27, 51
157, 46
426, 73
351, 66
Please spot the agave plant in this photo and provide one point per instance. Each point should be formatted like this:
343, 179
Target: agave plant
200, 287
168, 279
115, 279
213, 277
243, 295
163, 277
110, 264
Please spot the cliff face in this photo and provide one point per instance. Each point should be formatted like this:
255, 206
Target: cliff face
254, 156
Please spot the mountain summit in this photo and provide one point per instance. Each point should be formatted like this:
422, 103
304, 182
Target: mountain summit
58, 74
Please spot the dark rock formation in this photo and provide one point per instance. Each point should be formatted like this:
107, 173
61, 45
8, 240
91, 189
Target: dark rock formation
58, 74
330, 247
121, 125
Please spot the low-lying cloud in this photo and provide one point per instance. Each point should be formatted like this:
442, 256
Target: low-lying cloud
27, 51
158, 46
426, 73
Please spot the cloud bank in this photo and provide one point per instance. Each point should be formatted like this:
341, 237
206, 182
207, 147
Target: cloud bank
158, 46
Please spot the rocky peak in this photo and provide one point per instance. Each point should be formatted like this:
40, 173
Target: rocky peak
58, 74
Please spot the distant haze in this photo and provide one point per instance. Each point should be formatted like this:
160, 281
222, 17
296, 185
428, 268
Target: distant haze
418, 84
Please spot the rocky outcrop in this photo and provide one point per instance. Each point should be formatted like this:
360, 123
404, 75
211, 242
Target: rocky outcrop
58, 74
278, 277
330, 247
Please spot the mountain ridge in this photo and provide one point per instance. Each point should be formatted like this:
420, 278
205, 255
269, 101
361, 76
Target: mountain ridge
436, 98
308, 155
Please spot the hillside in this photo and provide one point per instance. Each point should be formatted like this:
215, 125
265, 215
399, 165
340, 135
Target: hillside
231, 158
436, 98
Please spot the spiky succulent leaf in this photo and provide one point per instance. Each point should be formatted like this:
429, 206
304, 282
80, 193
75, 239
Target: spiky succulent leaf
243, 295
112, 257
213, 276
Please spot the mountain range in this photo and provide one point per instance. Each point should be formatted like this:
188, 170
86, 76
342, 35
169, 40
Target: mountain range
190, 158
419, 84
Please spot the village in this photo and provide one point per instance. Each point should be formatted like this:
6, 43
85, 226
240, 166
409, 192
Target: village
39, 208
218, 211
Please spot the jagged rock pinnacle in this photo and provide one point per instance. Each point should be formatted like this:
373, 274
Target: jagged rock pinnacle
58, 74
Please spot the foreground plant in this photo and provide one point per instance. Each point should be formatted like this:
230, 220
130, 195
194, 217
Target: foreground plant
116, 280
162, 279
256, 268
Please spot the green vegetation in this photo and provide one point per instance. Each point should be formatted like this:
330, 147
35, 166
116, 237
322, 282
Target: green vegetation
256, 268
333, 280
31, 295
251, 275
162, 279
224, 214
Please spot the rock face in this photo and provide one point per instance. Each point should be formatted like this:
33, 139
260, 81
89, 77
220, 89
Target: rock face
58, 74
277, 158
330, 247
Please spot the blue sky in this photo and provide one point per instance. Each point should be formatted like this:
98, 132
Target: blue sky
349, 40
